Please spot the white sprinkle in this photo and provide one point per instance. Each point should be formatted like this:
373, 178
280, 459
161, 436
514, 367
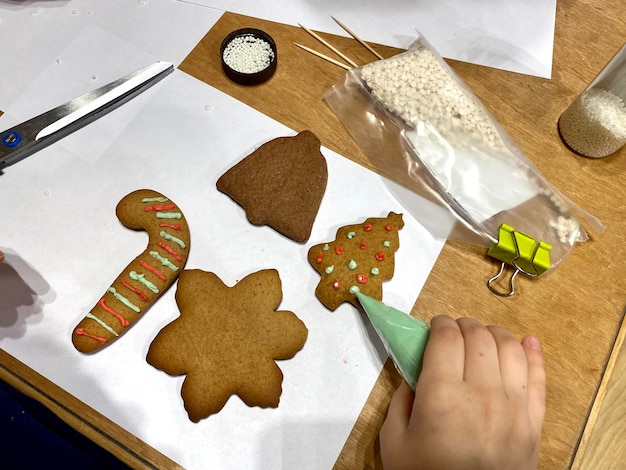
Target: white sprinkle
248, 54
595, 123
417, 87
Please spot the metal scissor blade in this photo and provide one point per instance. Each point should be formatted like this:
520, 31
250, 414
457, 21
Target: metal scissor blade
30, 136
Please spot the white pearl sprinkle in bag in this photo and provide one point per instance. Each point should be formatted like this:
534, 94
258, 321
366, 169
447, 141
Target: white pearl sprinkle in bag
446, 158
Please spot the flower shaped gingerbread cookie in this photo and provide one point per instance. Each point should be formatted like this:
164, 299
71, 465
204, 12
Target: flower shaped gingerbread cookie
226, 341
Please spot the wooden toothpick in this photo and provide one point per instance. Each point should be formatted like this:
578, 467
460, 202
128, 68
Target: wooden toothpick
363, 43
322, 56
330, 46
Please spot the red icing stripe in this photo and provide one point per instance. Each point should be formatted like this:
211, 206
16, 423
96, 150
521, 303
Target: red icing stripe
159, 207
153, 270
143, 296
172, 226
81, 332
106, 308
170, 250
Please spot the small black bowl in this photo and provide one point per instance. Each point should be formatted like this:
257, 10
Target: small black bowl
253, 78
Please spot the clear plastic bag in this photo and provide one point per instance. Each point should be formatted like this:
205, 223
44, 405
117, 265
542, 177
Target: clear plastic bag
446, 158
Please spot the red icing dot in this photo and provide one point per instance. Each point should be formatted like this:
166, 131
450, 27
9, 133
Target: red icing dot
339, 249
368, 227
320, 257
361, 278
389, 228
364, 245
380, 256
336, 285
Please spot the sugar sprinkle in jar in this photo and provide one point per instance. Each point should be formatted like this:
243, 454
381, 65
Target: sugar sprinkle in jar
594, 125
249, 56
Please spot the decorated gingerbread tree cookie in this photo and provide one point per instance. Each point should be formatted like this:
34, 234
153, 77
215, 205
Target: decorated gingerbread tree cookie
359, 259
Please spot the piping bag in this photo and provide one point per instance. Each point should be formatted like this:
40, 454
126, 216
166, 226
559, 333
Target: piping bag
403, 336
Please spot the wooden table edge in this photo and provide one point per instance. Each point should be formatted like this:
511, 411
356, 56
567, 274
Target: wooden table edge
582, 449
81, 417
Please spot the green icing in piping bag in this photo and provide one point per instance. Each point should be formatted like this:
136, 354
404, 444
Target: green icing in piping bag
403, 336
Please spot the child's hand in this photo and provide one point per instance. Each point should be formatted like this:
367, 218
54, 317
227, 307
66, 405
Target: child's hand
479, 402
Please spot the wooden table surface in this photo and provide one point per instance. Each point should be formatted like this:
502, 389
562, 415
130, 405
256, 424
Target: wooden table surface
575, 311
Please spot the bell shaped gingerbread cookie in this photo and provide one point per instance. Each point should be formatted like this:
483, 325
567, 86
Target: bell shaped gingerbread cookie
280, 184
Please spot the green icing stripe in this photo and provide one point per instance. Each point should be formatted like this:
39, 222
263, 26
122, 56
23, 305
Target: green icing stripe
142, 279
101, 323
123, 299
155, 199
172, 238
168, 215
164, 261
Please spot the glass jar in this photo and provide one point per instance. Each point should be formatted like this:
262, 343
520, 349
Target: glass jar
594, 125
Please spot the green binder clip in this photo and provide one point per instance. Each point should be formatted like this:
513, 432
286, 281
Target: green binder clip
520, 251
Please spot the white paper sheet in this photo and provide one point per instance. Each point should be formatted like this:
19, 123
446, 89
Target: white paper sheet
35, 35
514, 35
64, 246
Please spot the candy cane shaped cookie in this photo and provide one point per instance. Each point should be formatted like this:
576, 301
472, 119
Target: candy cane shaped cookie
143, 281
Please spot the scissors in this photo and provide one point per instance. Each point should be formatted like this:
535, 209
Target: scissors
30, 136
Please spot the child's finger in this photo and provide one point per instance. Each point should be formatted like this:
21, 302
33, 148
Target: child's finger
444, 356
513, 363
481, 354
398, 414
536, 382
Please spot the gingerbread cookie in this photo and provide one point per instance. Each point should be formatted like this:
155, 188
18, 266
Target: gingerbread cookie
359, 259
146, 278
226, 341
280, 184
